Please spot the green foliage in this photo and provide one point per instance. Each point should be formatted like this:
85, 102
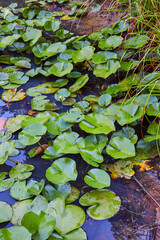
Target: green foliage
100, 123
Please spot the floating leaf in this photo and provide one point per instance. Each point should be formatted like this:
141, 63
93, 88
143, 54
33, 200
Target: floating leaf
60, 69
68, 217
21, 191
32, 35
13, 95
104, 204
120, 26
92, 156
6, 148
6, 41
15, 233
56, 125
103, 57
6, 184
77, 234
80, 82
5, 212
85, 53
122, 168
110, 43
40, 225
62, 171
104, 100
62, 94
136, 42
97, 178
19, 209
120, 147
97, 123
68, 142
127, 132
75, 115
73, 195
21, 171
60, 82
52, 25
104, 70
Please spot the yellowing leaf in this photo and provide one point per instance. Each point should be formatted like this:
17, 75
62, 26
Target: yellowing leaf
12, 95
143, 166
66, 17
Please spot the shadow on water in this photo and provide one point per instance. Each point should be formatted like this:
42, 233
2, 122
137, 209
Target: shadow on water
137, 217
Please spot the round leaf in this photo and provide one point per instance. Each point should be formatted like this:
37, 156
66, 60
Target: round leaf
104, 204
21, 171
62, 171
97, 178
5, 212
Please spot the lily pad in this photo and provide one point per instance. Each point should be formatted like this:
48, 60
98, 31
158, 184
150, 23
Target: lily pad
136, 41
68, 217
104, 204
5, 212
80, 82
120, 147
13, 95
110, 43
97, 123
103, 57
21, 171
6, 184
21, 191
16, 233
6, 148
19, 209
104, 70
85, 53
97, 178
77, 234
6, 41
68, 142
62, 171
39, 225
60, 69
13, 124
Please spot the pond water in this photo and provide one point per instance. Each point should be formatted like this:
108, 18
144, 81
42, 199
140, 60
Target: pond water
138, 218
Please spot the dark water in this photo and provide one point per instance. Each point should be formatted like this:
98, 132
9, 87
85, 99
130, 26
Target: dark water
137, 215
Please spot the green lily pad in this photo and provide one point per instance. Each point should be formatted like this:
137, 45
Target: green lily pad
19, 209
97, 123
104, 100
5, 212
120, 147
110, 43
62, 171
77, 234
39, 49
13, 124
98, 141
68, 142
6, 148
4, 136
6, 41
60, 69
16, 233
80, 82
21, 191
104, 70
39, 225
104, 204
103, 57
68, 217
92, 156
40, 118
35, 129
85, 53
75, 115
32, 35
21, 171
73, 195
54, 48
136, 41
62, 94
127, 132
52, 25
6, 184
97, 178
56, 125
